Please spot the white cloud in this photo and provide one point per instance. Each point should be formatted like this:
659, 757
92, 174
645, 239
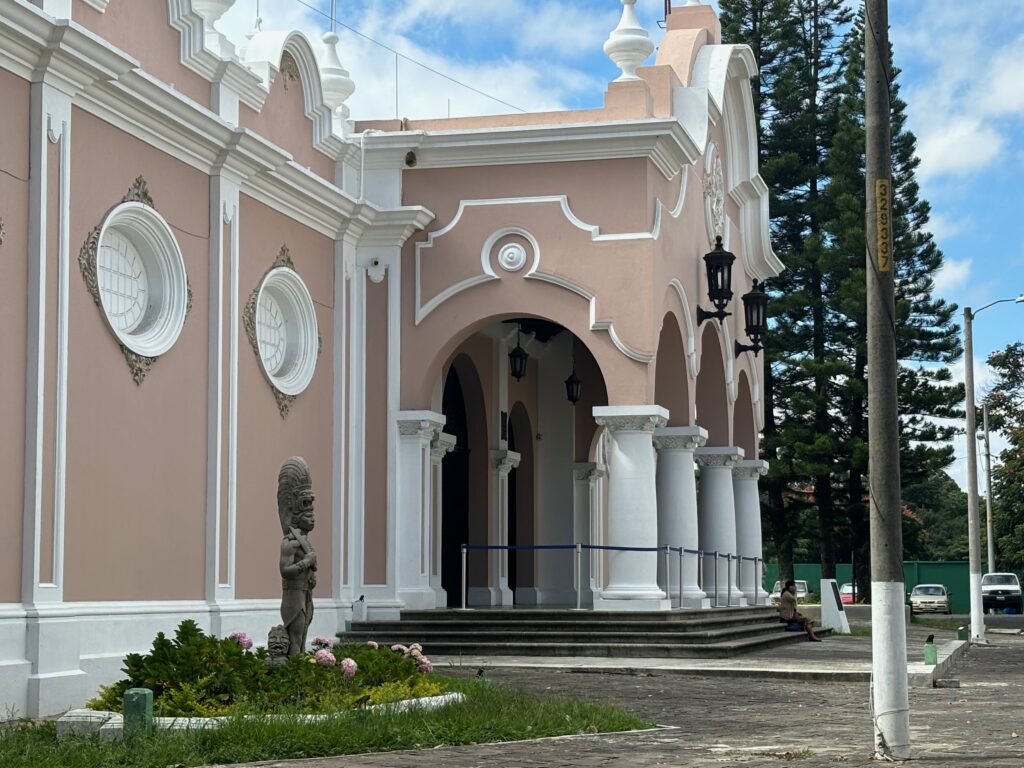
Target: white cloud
964, 146
952, 276
944, 226
533, 84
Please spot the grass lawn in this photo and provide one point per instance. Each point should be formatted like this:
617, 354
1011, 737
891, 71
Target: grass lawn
489, 713
935, 623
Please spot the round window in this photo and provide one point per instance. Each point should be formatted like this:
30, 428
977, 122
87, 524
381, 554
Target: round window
286, 330
140, 276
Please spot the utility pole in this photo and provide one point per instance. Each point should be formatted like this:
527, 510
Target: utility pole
990, 534
973, 536
889, 697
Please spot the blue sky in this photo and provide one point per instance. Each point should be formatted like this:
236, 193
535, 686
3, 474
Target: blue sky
962, 78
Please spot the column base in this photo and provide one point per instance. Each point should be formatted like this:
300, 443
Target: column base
725, 600
418, 598
696, 600
54, 692
489, 597
635, 605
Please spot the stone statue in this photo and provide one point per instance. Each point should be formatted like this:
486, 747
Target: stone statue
277, 647
298, 560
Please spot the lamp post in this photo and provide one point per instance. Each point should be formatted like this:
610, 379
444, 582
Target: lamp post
973, 533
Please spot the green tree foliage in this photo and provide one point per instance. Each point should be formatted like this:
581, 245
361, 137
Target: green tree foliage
809, 102
1006, 408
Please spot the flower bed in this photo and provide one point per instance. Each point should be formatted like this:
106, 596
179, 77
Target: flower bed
199, 675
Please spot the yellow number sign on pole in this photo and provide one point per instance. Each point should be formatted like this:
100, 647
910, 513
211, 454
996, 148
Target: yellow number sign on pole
883, 247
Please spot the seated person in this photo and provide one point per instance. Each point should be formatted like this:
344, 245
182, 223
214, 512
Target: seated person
789, 616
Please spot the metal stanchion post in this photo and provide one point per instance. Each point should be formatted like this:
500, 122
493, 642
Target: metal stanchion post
728, 579
680, 577
579, 575
716, 578
463, 577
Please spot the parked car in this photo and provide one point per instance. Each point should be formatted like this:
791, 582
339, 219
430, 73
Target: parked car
848, 593
930, 598
1000, 591
801, 591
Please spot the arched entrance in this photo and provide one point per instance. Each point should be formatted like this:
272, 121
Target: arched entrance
511, 478
463, 473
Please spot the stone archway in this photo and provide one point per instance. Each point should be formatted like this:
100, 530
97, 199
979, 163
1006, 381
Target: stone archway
744, 427
671, 382
712, 398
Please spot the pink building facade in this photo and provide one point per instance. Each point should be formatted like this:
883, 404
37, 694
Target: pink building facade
211, 267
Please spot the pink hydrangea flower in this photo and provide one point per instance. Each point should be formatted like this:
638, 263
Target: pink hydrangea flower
348, 667
321, 642
425, 665
372, 644
415, 647
399, 648
325, 657
242, 639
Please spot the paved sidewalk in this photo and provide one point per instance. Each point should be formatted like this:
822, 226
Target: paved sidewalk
728, 721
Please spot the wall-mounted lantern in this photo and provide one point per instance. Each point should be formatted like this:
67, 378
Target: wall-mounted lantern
755, 305
718, 264
573, 387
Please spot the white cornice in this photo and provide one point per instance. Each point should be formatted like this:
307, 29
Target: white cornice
663, 141
99, 5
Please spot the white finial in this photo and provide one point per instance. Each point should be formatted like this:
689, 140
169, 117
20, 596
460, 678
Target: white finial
629, 44
211, 10
337, 84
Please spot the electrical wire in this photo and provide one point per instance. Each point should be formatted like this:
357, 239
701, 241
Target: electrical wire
401, 55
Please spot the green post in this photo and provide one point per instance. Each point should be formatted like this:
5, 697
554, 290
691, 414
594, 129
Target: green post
138, 712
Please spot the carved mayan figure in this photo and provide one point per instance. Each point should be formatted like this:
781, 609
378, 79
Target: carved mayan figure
298, 560
277, 646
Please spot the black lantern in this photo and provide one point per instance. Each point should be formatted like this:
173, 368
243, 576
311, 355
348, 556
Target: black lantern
718, 264
755, 305
517, 359
572, 387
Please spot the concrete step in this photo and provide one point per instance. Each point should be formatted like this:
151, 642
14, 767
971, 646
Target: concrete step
711, 623
612, 635
496, 615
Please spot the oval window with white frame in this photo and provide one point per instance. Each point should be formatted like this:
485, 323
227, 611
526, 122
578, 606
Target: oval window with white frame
287, 337
140, 279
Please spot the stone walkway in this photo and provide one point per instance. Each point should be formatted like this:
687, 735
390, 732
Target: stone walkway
757, 722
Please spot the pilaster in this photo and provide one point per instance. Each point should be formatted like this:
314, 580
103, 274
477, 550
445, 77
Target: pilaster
632, 508
716, 520
417, 430
497, 592
745, 476
677, 510
442, 445
586, 481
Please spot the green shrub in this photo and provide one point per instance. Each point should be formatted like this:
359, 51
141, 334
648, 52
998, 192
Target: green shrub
199, 675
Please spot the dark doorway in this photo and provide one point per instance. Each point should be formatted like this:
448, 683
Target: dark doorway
454, 489
521, 501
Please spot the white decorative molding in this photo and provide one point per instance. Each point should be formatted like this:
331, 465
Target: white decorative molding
264, 55
714, 193
141, 279
628, 45
692, 361
630, 418
751, 468
512, 257
680, 438
423, 309
99, 5
718, 456
286, 330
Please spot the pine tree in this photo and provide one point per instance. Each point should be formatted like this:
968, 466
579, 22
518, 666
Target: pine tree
1006, 410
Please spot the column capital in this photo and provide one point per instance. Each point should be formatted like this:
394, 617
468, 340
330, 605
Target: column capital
718, 456
679, 438
505, 461
442, 445
588, 470
630, 418
750, 468
425, 424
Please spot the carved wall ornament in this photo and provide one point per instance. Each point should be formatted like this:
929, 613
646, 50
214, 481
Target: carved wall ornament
512, 257
714, 193
280, 323
424, 428
751, 468
140, 251
631, 423
441, 446
712, 458
678, 442
289, 70
505, 461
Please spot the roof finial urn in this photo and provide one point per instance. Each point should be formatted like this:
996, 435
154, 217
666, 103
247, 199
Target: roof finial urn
628, 45
337, 84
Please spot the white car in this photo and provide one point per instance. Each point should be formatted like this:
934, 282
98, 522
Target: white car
929, 598
801, 591
1000, 591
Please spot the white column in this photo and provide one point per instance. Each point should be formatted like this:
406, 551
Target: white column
442, 445
716, 518
677, 508
498, 592
586, 476
416, 432
748, 527
632, 508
